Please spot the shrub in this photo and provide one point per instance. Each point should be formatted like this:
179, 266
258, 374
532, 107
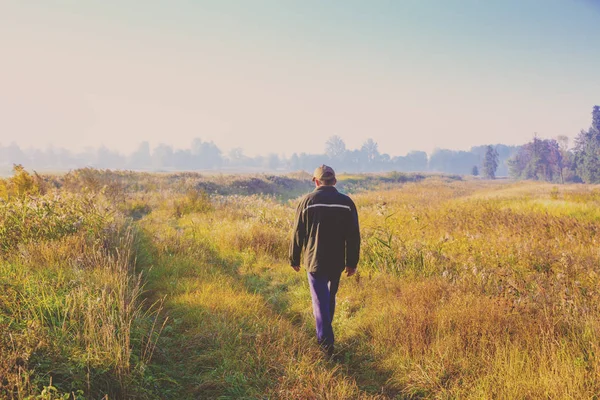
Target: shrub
26, 220
195, 201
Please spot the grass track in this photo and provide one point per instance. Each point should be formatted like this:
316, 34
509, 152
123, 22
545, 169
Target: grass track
243, 331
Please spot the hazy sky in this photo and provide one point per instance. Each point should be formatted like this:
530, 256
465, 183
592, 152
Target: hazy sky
282, 76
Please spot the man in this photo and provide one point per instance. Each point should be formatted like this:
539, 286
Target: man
326, 232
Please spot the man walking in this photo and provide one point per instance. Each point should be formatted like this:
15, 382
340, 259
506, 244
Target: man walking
326, 233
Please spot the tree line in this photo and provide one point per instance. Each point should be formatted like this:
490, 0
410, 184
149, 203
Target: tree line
552, 160
207, 156
541, 159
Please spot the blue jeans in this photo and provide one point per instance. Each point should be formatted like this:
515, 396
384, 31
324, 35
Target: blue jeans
323, 290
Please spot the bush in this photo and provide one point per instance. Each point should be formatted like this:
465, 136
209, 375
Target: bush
31, 219
195, 201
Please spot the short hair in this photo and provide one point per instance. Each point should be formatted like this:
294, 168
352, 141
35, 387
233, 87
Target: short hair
328, 182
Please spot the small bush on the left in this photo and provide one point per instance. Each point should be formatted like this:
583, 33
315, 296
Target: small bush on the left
21, 184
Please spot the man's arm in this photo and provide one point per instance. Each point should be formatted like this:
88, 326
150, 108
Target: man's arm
352, 241
298, 237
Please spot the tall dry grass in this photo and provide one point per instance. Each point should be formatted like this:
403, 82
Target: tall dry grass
73, 323
466, 289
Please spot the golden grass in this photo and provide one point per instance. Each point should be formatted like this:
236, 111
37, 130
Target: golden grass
467, 289
236, 344
70, 304
464, 292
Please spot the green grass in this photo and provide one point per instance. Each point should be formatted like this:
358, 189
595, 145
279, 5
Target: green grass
153, 289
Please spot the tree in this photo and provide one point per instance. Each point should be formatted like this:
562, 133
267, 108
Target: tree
272, 161
335, 148
182, 160
106, 158
237, 153
540, 159
504, 154
196, 147
162, 156
475, 171
563, 143
416, 161
567, 168
596, 118
236, 157
370, 150
13, 154
587, 151
451, 161
210, 155
141, 158
294, 162
490, 163
205, 155
552, 161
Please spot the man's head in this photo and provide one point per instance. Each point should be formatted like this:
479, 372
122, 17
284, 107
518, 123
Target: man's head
324, 176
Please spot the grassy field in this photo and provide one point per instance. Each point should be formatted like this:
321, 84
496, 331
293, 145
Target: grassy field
124, 285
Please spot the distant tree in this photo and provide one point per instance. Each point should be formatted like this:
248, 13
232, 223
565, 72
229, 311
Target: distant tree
205, 155
563, 143
490, 163
162, 157
335, 148
356, 160
258, 161
566, 159
307, 162
596, 118
587, 151
182, 160
55, 158
211, 155
294, 162
141, 159
272, 161
236, 153
12, 154
416, 161
451, 161
106, 158
370, 150
551, 164
504, 154
475, 171
237, 158
540, 159
196, 147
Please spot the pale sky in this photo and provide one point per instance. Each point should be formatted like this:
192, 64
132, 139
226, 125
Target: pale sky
281, 76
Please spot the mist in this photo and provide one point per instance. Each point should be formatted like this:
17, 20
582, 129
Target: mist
208, 157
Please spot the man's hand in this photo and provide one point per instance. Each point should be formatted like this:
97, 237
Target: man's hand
296, 268
350, 271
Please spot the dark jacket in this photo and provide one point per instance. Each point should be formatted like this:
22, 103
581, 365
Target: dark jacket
326, 228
